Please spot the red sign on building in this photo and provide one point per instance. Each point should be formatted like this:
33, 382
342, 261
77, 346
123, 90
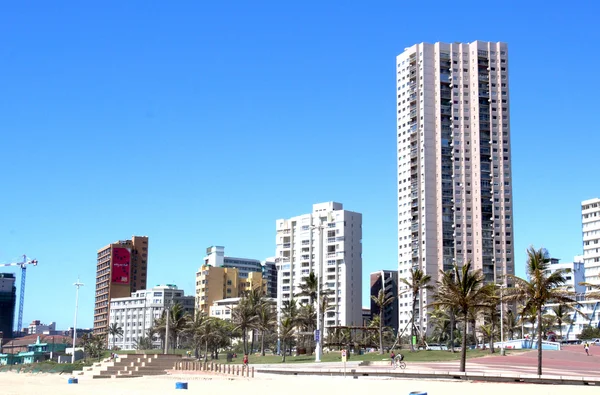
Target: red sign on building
121, 258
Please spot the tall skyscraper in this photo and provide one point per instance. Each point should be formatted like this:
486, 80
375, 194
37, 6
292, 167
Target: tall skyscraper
8, 299
330, 238
590, 220
122, 268
386, 280
454, 166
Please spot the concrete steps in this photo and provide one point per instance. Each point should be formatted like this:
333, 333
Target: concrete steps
136, 365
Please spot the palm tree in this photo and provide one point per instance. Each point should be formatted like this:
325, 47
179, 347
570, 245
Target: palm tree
511, 324
256, 298
307, 320
440, 321
461, 289
194, 330
491, 313
309, 287
417, 282
115, 330
541, 289
178, 319
562, 312
244, 318
143, 343
381, 301
266, 320
286, 334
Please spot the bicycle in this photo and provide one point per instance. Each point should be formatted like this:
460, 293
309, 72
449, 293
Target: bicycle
398, 362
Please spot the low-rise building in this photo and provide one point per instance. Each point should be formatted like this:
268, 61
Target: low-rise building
574, 273
222, 308
37, 328
136, 314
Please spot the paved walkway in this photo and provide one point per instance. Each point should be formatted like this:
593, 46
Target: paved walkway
570, 361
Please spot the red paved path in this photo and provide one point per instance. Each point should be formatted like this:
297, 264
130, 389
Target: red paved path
570, 361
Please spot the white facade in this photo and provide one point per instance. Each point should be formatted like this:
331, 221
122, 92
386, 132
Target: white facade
222, 308
454, 166
590, 219
575, 273
36, 327
136, 314
329, 238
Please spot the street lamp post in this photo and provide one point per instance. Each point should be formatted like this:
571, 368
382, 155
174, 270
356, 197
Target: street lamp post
77, 285
319, 269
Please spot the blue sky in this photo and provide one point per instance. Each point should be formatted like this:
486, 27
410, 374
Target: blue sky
202, 123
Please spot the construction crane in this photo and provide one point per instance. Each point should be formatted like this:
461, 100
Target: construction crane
23, 266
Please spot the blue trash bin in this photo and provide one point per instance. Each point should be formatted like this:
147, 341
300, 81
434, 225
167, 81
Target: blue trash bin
181, 386
73, 380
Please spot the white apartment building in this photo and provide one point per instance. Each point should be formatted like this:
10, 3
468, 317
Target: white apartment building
590, 219
575, 273
329, 239
136, 314
454, 163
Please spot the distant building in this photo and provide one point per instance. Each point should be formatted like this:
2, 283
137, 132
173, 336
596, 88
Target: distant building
388, 281
215, 256
590, 220
269, 269
328, 240
222, 308
8, 298
122, 268
216, 283
136, 314
575, 273
37, 328
366, 316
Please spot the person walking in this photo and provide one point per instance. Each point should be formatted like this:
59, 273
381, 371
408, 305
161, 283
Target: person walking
586, 347
392, 355
246, 360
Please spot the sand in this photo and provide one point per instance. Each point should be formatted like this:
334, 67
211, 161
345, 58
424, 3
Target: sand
14, 383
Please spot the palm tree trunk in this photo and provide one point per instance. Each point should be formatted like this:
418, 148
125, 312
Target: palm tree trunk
245, 334
262, 343
463, 349
252, 342
452, 331
560, 329
381, 331
413, 328
539, 341
492, 337
284, 352
206, 351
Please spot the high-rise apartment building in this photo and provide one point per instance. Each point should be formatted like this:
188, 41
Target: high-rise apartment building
590, 220
8, 299
386, 280
329, 238
136, 314
122, 268
454, 163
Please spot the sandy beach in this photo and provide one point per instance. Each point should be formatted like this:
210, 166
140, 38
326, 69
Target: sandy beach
14, 383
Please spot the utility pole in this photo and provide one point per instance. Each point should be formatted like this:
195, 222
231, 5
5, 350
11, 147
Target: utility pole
77, 285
